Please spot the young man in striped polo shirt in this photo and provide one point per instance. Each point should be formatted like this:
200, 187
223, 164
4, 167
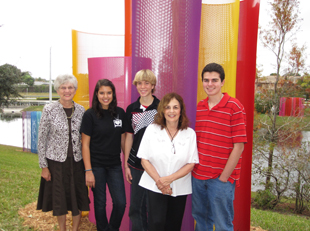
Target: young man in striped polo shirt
221, 134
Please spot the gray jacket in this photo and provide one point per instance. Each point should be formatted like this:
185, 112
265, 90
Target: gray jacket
53, 137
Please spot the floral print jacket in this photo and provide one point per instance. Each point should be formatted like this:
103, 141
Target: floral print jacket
53, 137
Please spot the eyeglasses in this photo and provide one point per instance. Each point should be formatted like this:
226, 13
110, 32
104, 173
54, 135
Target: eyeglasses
172, 148
69, 88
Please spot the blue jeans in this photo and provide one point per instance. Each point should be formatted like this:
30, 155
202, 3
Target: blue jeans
138, 201
212, 204
113, 176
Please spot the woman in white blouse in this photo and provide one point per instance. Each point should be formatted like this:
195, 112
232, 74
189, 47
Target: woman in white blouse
169, 152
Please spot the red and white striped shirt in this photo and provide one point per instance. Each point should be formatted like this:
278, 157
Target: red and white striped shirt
217, 130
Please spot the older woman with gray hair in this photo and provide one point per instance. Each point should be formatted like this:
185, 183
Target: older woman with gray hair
62, 187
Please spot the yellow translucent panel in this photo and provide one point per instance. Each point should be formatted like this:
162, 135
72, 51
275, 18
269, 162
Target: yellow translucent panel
218, 42
88, 45
78, 61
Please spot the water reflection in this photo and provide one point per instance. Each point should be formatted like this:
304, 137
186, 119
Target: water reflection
257, 178
10, 117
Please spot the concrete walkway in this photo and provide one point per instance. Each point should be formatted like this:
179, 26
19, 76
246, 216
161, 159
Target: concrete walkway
13, 110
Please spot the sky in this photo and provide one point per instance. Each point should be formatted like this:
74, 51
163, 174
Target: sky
265, 58
32, 31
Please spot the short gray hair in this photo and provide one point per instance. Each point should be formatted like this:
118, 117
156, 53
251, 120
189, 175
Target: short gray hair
62, 79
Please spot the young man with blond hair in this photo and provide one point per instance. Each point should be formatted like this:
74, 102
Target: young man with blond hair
139, 114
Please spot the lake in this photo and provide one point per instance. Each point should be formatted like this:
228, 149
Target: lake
11, 132
256, 178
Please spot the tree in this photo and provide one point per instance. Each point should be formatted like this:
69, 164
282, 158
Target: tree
290, 170
282, 27
41, 79
301, 185
9, 76
296, 59
27, 79
259, 71
305, 85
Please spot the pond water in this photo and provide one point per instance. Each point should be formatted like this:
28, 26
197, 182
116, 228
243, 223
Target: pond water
256, 178
11, 131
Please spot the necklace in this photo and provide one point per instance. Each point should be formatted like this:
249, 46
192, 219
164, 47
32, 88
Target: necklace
172, 137
72, 111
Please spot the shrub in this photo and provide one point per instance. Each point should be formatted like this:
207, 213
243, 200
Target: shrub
262, 105
265, 199
47, 98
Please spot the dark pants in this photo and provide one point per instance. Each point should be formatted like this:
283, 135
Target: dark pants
113, 176
165, 212
138, 201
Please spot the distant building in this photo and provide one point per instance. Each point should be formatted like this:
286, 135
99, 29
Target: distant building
39, 83
36, 83
267, 82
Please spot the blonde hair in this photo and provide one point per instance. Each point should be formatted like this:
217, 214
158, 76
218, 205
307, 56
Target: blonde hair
145, 75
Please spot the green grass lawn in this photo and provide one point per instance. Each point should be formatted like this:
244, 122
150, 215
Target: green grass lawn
19, 184
34, 108
273, 221
284, 119
38, 94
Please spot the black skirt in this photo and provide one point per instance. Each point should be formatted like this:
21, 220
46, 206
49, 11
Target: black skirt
66, 191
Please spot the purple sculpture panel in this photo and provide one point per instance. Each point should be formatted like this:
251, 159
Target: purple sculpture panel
165, 39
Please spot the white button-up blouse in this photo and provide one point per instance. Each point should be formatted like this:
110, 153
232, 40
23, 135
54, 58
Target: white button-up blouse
156, 147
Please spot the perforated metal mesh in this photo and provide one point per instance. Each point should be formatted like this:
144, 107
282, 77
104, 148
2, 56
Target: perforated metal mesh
84, 46
219, 42
31, 121
87, 45
293, 106
245, 78
35, 121
165, 38
116, 69
25, 131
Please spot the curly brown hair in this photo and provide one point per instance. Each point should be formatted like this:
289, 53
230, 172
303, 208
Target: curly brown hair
160, 117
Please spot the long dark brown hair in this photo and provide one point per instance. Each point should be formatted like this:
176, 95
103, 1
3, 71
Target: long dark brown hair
96, 105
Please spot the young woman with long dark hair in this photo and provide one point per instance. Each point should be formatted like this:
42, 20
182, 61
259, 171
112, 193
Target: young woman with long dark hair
103, 137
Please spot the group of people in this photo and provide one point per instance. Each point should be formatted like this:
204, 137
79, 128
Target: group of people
164, 159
